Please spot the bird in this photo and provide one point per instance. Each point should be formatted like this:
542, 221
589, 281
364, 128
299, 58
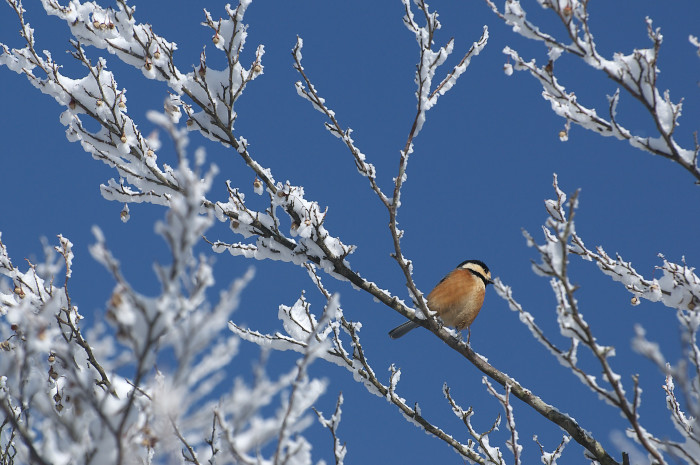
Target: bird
457, 298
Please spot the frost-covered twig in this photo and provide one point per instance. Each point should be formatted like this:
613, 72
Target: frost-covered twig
212, 94
685, 373
332, 423
300, 325
68, 317
308, 91
694, 42
367, 375
208, 97
428, 64
492, 455
303, 390
189, 454
429, 61
18, 431
118, 143
504, 400
636, 73
679, 288
686, 425
145, 414
550, 458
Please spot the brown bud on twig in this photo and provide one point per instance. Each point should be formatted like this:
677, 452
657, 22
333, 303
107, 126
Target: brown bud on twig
115, 300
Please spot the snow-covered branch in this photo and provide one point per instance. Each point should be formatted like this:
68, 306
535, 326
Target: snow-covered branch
332, 423
307, 91
96, 95
429, 61
70, 396
492, 455
678, 289
302, 326
212, 94
636, 73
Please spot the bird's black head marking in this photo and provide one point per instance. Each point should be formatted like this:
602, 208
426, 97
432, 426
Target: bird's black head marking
485, 277
476, 262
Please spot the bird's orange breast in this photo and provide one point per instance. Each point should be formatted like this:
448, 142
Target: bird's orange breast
458, 298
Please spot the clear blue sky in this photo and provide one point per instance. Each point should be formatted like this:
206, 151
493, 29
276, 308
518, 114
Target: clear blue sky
481, 169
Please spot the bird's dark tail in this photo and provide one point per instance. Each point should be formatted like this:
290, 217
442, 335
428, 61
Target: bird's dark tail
402, 329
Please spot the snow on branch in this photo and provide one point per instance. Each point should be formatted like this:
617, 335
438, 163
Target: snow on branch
694, 42
119, 143
504, 399
678, 288
636, 73
99, 396
307, 237
431, 60
686, 425
304, 330
212, 94
138, 45
307, 91
492, 455
332, 423
685, 374
149, 411
95, 95
550, 458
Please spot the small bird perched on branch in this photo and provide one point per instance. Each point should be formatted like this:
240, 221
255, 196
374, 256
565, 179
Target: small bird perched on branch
456, 299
